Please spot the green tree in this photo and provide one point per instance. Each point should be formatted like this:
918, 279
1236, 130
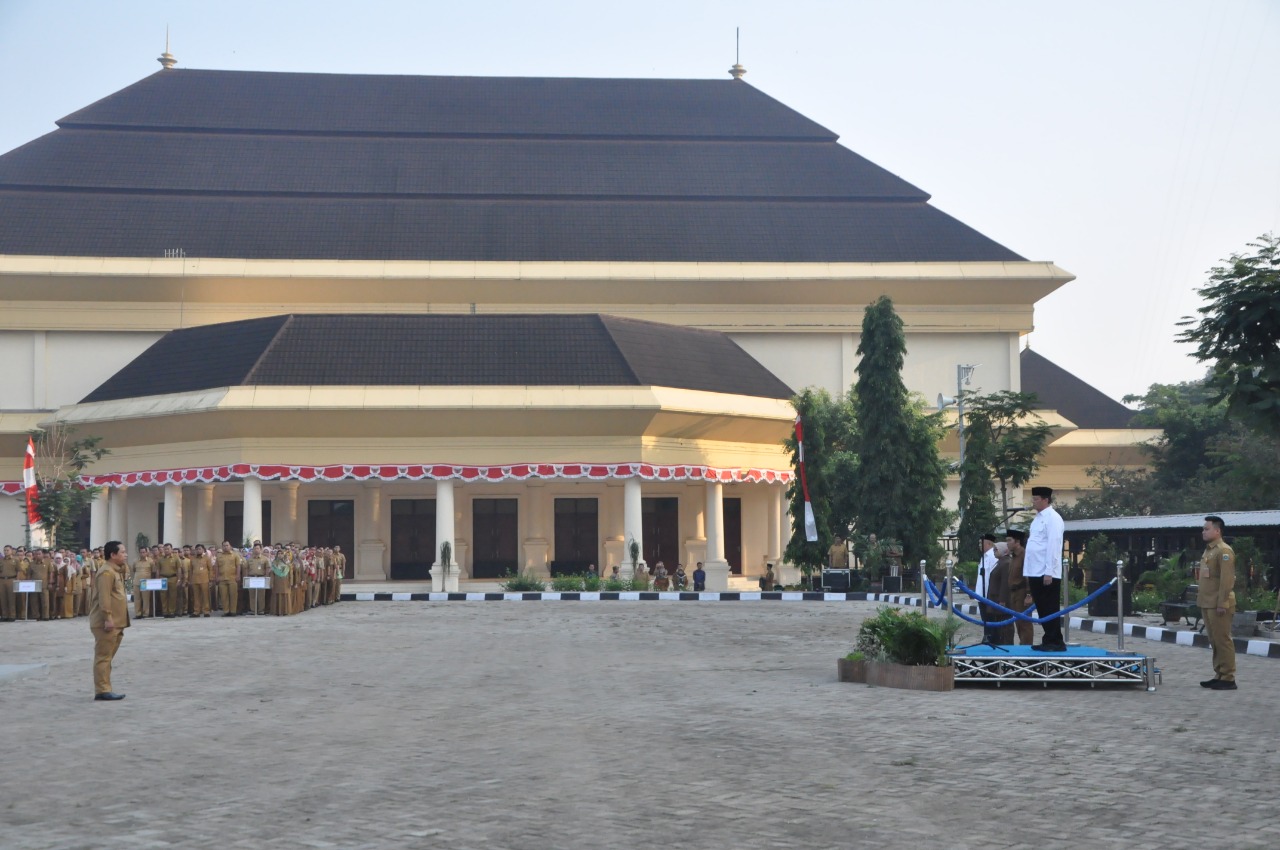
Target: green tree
1238, 333
977, 495
817, 411
897, 492
1015, 441
61, 457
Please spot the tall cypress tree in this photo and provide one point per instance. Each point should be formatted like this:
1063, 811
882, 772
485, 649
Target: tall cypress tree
977, 503
816, 411
897, 493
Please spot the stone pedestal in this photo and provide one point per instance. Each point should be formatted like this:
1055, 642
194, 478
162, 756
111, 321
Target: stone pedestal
369, 560
695, 550
717, 575
536, 563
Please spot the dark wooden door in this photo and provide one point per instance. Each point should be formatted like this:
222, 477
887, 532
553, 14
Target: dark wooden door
233, 523
660, 525
413, 538
332, 522
495, 526
577, 535
733, 535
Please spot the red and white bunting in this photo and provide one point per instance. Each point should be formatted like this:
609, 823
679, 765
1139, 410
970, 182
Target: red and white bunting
433, 472
810, 525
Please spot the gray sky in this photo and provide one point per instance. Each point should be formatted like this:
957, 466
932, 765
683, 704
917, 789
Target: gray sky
1132, 143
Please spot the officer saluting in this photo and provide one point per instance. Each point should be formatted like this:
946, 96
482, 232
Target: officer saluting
1218, 602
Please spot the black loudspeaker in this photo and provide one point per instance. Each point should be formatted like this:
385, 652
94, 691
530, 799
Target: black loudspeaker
1105, 605
835, 581
892, 584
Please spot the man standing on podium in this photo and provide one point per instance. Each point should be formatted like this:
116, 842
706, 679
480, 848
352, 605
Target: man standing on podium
1042, 567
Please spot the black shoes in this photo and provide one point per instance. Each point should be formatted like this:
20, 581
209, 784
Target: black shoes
1208, 683
108, 696
1222, 685
1050, 647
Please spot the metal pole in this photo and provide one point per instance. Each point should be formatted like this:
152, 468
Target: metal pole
950, 592
960, 408
1065, 603
1120, 603
924, 594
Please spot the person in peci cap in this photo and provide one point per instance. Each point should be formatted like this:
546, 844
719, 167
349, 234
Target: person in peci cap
1218, 602
1019, 597
987, 566
1042, 567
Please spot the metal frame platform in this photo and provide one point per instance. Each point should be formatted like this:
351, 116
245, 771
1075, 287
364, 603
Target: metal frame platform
1078, 665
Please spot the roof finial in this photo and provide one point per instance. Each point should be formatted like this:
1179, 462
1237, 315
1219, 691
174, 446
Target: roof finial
166, 59
737, 71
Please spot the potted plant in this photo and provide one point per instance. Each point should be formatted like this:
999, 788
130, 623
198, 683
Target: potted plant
908, 650
852, 668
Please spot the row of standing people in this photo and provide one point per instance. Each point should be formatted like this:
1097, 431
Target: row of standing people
64, 577
198, 581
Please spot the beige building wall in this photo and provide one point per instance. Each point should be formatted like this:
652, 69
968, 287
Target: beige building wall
44, 370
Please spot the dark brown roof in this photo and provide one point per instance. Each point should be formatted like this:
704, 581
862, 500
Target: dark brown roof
1057, 389
327, 166
448, 350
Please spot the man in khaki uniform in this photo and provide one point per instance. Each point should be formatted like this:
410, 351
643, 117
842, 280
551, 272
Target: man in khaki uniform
143, 568
1218, 602
339, 571
227, 566
1019, 591
108, 618
8, 575
41, 571
22, 601
198, 582
257, 565
169, 566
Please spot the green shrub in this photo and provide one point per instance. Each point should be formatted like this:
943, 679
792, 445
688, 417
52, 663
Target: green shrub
615, 584
591, 583
1147, 601
1255, 599
566, 584
522, 583
967, 572
907, 637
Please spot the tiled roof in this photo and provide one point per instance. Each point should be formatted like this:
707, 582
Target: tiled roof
1057, 389
441, 350
327, 166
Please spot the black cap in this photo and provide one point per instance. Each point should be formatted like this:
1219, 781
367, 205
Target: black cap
1046, 492
990, 537
1017, 534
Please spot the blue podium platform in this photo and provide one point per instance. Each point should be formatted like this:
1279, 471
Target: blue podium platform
1076, 665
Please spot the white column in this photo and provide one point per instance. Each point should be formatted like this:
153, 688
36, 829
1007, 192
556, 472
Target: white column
773, 551
204, 516
444, 534
537, 546
252, 497
716, 566
369, 544
632, 524
284, 524
99, 510
119, 513
173, 515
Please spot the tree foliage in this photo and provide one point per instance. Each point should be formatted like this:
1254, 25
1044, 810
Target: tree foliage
820, 416
1203, 461
977, 496
1238, 333
898, 490
1015, 438
61, 457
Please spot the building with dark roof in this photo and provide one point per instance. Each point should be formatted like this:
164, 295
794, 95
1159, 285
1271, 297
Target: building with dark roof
536, 318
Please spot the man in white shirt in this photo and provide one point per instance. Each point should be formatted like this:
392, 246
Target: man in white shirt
1042, 566
986, 566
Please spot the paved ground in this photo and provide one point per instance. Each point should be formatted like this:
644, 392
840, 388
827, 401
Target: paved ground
601, 725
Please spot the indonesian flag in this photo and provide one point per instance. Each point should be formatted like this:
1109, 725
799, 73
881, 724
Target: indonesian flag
810, 526
29, 483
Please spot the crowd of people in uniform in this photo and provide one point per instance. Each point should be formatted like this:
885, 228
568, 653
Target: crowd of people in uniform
294, 579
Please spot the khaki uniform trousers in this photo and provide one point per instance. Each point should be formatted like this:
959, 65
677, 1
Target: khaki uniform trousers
7, 607
228, 596
1218, 628
200, 599
1026, 631
141, 601
169, 598
105, 644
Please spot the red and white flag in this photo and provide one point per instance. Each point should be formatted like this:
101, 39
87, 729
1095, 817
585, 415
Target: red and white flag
29, 483
810, 526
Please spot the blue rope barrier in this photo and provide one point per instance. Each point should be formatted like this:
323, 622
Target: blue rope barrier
1016, 615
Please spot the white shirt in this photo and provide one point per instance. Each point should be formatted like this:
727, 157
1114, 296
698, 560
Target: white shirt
1044, 545
985, 567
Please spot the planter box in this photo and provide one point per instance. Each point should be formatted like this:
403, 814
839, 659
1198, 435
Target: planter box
851, 671
911, 678
1243, 624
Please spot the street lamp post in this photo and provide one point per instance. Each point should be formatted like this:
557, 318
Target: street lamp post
964, 375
